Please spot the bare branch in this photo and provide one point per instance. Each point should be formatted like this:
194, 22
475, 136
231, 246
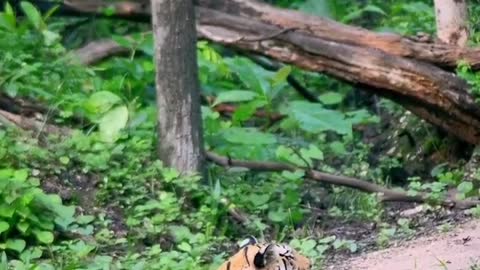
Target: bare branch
385, 194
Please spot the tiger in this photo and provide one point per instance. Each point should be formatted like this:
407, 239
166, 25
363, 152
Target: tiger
266, 256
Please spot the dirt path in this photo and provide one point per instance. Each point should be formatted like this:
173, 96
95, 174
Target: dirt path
458, 249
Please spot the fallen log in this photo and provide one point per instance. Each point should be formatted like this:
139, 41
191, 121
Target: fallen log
434, 52
389, 64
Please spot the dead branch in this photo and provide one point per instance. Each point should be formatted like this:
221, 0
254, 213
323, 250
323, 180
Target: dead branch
385, 194
96, 51
32, 124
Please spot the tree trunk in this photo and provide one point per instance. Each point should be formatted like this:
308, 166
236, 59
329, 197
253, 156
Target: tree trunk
180, 142
452, 21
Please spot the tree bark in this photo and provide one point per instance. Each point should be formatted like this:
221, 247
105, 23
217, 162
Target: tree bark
452, 21
180, 143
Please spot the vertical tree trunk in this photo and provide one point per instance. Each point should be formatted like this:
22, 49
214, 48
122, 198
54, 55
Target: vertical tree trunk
452, 21
180, 142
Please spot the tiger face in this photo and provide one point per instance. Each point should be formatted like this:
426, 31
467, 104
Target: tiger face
255, 256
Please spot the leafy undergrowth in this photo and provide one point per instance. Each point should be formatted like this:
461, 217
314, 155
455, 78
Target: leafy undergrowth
100, 199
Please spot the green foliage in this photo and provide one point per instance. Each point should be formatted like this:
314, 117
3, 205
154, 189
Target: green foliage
27, 212
142, 215
473, 78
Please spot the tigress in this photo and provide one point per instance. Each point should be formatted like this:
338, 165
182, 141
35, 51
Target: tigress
268, 256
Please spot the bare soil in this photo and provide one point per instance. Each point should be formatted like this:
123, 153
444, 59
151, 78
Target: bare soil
458, 249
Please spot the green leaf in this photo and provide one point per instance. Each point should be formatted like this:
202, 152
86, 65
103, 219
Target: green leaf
314, 118
234, 96
249, 74
5, 174
217, 190
298, 174
50, 38
330, 98
465, 187
362, 117
16, 244
6, 211
245, 111
184, 246
374, 9
50, 12
112, 122
4, 262
248, 136
7, 18
85, 219
45, 237
65, 215
281, 75
317, 7
123, 41
23, 226
337, 148
287, 154
64, 160
278, 216
20, 175
33, 15
4, 226
100, 102
312, 152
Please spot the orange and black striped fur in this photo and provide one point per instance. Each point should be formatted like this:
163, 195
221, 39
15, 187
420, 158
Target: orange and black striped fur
255, 256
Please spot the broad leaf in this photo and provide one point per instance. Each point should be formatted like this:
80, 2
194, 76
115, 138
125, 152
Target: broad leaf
16, 244
330, 98
245, 111
100, 102
45, 237
234, 96
281, 75
3, 226
33, 15
7, 18
248, 136
112, 122
314, 118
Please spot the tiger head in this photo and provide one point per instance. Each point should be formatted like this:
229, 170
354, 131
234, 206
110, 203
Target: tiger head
267, 256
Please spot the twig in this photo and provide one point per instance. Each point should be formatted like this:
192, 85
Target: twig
32, 124
291, 80
273, 35
385, 194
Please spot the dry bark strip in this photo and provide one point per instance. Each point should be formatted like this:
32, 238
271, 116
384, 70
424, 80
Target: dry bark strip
96, 51
385, 194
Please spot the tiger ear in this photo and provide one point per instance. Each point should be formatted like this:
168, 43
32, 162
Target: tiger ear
265, 256
248, 241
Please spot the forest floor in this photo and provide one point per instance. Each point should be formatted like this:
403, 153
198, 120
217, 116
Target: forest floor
456, 249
